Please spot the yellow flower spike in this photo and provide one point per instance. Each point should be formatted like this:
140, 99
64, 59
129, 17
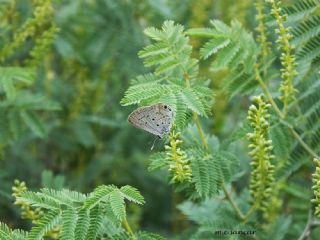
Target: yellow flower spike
288, 72
262, 187
26, 211
262, 37
180, 166
316, 187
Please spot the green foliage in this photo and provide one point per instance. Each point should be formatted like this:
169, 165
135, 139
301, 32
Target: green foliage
44, 225
174, 81
14, 77
210, 171
20, 104
62, 78
78, 215
213, 217
302, 17
306, 31
41, 19
234, 48
171, 52
203, 172
7, 233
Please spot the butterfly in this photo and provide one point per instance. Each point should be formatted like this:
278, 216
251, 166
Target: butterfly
156, 119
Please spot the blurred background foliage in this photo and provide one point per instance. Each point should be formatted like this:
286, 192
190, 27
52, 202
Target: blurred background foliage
62, 113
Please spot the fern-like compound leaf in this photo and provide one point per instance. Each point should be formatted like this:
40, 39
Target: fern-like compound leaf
44, 224
82, 224
69, 222
101, 193
94, 224
132, 194
117, 204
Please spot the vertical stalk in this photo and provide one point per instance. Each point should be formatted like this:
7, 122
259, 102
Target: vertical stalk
205, 145
200, 131
128, 228
281, 115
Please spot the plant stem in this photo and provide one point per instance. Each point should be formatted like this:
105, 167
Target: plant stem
281, 115
250, 211
233, 204
311, 223
303, 144
266, 92
202, 136
206, 146
128, 228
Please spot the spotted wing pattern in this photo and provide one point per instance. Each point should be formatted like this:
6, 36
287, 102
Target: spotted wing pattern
156, 119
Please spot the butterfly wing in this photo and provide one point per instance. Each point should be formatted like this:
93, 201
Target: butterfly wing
156, 119
140, 118
165, 119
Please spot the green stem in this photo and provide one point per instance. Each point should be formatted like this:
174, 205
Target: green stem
281, 115
199, 128
128, 228
266, 92
206, 146
250, 211
233, 204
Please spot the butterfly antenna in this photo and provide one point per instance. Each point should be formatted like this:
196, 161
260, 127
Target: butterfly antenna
154, 141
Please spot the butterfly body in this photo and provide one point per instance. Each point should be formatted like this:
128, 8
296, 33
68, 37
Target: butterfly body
155, 119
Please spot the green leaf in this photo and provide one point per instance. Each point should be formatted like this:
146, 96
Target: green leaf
213, 46
44, 225
94, 224
34, 123
82, 225
28, 101
226, 55
171, 52
220, 26
202, 32
8, 88
281, 141
154, 33
149, 236
11, 76
101, 193
132, 194
5, 231
69, 221
84, 133
50, 181
211, 169
113, 219
135, 94
7, 234
193, 102
15, 124
181, 114
157, 161
117, 204
21, 74
201, 177
4, 127
39, 200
